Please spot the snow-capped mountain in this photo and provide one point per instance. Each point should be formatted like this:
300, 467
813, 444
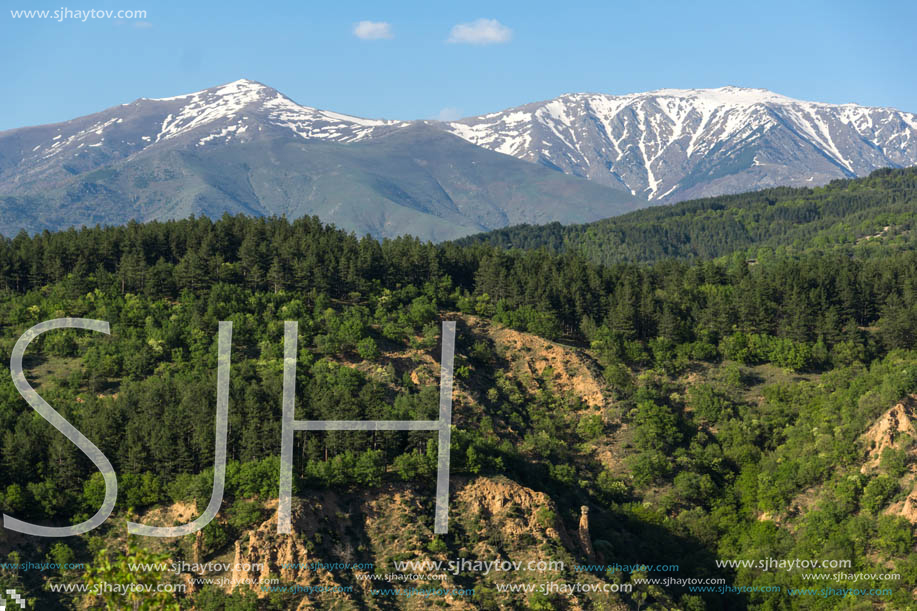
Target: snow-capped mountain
239, 112
225, 107
676, 144
244, 147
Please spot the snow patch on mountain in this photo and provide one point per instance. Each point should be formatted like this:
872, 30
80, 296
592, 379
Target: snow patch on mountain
221, 114
663, 145
677, 143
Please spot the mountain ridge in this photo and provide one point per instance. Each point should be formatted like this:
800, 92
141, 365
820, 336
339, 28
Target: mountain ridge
618, 153
244, 147
675, 144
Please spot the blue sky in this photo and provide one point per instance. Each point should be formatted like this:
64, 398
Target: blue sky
405, 67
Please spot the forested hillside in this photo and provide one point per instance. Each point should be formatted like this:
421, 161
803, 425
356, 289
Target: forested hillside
843, 216
700, 410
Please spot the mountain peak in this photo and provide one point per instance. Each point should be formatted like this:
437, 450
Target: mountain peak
664, 145
730, 94
228, 110
726, 95
673, 144
240, 86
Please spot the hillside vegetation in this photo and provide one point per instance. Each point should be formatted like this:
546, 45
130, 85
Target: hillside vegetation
699, 411
847, 216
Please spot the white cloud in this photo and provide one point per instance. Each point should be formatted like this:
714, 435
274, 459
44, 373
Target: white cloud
480, 32
373, 30
449, 113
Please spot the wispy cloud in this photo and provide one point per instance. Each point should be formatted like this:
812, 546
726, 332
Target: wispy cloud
480, 32
373, 30
449, 113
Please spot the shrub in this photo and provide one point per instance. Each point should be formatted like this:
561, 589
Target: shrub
878, 492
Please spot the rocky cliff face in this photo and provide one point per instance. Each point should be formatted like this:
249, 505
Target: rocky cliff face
499, 518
